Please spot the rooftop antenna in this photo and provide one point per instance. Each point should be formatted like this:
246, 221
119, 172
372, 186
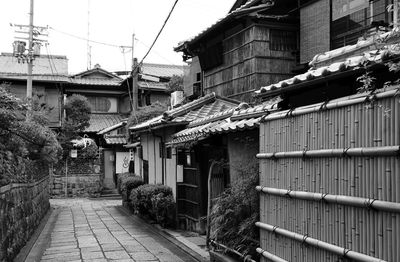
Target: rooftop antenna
88, 47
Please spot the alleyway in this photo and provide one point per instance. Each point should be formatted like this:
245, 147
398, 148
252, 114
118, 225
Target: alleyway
100, 230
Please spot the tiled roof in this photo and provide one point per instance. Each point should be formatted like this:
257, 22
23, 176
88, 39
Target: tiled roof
113, 127
343, 52
42, 78
99, 122
238, 120
162, 70
42, 65
119, 139
95, 81
351, 63
202, 107
249, 6
147, 85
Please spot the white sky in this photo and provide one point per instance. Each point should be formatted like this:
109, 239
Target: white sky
112, 21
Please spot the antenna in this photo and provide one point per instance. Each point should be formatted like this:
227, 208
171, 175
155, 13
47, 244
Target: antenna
88, 47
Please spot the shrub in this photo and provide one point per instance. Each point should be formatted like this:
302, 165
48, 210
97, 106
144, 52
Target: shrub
164, 209
235, 212
154, 201
120, 179
127, 183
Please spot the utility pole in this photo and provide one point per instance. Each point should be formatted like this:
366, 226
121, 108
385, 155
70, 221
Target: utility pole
135, 76
30, 56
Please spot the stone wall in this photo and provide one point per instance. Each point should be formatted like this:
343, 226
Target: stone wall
84, 178
22, 207
78, 185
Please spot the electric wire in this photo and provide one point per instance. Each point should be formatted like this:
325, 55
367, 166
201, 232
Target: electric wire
159, 33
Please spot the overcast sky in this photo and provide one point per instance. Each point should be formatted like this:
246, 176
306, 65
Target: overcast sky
112, 21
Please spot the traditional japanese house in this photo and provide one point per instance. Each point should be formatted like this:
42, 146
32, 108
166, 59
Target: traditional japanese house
50, 75
255, 44
158, 163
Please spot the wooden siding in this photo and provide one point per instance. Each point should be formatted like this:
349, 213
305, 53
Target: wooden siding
248, 64
356, 228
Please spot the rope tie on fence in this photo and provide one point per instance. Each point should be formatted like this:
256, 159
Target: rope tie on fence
304, 239
324, 196
274, 229
369, 203
304, 154
345, 251
289, 113
288, 193
324, 106
397, 93
371, 97
273, 157
345, 154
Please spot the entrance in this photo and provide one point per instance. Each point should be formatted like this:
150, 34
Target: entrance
109, 169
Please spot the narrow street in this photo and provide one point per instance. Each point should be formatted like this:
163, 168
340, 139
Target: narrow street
100, 230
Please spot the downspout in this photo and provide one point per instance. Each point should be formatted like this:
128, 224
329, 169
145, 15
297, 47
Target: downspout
161, 156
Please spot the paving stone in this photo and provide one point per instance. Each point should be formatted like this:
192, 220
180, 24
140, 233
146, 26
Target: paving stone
116, 255
92, 255
143, 256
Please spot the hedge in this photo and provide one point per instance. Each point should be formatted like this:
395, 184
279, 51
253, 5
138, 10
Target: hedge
126, 183
155, 202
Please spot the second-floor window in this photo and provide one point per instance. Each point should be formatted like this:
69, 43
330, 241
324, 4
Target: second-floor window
103, 104
351, 19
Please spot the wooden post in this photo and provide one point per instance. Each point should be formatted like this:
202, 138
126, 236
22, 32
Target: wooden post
135, 75
30, 54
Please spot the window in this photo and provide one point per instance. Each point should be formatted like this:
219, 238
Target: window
351, 19
283, 40
103, 104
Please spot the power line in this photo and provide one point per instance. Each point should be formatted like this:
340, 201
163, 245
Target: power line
85, 39
159, 33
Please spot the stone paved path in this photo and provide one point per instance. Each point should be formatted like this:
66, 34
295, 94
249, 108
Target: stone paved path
85, 230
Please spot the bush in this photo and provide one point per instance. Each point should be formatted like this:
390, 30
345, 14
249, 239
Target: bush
235, 212
128, 182
154, 201
120, 179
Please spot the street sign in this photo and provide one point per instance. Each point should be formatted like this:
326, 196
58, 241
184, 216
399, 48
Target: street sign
74, 153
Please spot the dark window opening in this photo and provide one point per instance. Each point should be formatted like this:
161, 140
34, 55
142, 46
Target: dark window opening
283, 40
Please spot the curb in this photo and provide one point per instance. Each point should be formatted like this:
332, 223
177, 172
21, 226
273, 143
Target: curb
196, 256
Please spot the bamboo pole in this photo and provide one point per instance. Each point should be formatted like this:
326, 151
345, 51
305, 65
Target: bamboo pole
346, 253
386, 206
270, 256
356, 152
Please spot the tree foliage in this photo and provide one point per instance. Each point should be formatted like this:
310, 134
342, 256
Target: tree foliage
147, 112
77, 110
235, 212
23, 141
176, 83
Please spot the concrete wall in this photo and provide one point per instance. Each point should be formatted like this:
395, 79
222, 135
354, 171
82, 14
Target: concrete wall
22, 206
242, 148
314, 29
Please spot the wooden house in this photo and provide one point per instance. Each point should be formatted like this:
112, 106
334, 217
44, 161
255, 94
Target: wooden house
50, 75
153, 82
158, 164
255, 44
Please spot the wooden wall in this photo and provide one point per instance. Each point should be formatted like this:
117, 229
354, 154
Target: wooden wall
248, 64
359, 228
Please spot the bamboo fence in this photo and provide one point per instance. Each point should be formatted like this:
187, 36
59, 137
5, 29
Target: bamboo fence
330, 181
